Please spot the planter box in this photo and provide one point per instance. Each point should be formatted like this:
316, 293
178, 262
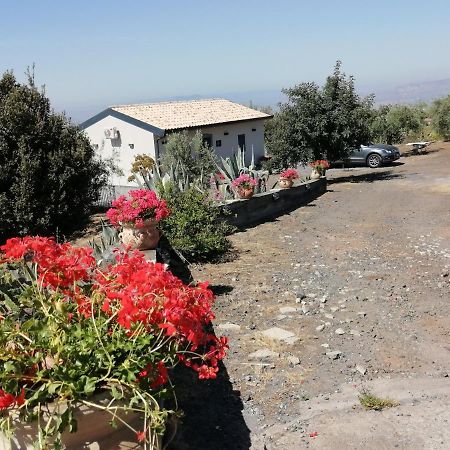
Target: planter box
274, 203
94, 433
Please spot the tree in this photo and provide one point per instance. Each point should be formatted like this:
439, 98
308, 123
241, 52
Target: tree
440, 117
392, 124
190, 153
317, 122
49, 178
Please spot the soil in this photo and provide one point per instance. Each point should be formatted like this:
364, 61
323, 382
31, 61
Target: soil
364, 272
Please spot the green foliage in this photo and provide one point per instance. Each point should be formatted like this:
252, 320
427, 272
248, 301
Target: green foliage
370, 401
232, 168
194, 227
49, 178
392, 124
317, 123
103, 250
190, 155
440, 117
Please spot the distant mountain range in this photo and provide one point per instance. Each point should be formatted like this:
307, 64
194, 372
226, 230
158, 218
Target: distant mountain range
411, 93
408, 93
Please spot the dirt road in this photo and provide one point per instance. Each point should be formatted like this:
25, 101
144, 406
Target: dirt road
351, 292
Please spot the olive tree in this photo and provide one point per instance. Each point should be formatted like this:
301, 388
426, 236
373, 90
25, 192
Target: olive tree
440, 117
319, 122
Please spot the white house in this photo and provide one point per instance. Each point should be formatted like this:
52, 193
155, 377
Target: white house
124, 131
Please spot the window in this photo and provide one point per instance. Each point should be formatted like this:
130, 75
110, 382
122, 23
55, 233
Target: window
226, 133
218, 143
207, 140
241, 141
253, 129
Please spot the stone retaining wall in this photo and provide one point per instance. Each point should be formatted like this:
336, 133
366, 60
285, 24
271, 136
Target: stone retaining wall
274, 203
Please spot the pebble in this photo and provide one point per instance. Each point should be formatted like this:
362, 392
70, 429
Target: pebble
339, 331
334, 309
263, 354
329, 316
334, 355
320, 327
362, 370
287, 309
293, 360
355, 333
278, 334
228, 326
362, 314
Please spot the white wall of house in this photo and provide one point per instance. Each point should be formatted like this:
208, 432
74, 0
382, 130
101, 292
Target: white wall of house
142, 141
224, 140
227, 134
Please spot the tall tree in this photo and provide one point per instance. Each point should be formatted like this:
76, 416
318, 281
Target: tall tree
319, 122
49, 178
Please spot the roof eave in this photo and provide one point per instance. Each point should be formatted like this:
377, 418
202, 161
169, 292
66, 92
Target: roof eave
269, 116
126, 118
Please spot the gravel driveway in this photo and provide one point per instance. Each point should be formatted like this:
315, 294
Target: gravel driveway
350, 292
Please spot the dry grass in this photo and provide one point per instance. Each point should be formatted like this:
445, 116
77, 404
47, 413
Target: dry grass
370, 401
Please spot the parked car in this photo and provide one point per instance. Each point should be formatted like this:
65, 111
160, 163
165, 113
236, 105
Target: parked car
372, 155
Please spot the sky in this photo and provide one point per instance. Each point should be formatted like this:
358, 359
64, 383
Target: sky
91, 54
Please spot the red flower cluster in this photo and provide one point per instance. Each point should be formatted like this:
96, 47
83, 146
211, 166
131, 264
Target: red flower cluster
59, 265
141, 292
141, 205
135, 293
244, 181
321, 164
7, 400
290, 174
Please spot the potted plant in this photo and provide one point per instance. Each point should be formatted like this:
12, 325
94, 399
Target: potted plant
319, 168
138, 215
287, 178
84, 346
244, 186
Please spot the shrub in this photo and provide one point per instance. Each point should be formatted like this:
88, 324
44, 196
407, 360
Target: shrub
191, 154
194, 227
318, 122
49, 178
440, 117
392, 124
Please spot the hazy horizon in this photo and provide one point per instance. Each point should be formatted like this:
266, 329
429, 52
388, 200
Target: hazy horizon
90, 55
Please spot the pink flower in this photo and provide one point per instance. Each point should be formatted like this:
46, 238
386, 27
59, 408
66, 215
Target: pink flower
290, 174
244, 181
141, 205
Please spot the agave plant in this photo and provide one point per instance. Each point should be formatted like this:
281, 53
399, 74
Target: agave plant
232, 168
104, 249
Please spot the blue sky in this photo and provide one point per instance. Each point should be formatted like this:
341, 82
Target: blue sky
90, 54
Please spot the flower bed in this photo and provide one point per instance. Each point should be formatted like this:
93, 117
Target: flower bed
266, 205
69, 330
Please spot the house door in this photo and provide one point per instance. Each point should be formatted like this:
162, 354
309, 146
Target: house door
241, 141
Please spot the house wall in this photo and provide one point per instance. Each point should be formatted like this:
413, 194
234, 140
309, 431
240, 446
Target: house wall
119, 149
253, 139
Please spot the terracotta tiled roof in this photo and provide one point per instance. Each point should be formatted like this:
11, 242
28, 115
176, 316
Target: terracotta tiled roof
188, 114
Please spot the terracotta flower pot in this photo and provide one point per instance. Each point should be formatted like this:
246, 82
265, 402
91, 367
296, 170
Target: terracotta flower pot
142, 238
246, 193
94, 432
285, 183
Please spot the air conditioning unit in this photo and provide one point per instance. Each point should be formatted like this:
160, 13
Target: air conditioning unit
111, 133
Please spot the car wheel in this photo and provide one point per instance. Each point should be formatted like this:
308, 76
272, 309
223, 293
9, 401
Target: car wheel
374, 160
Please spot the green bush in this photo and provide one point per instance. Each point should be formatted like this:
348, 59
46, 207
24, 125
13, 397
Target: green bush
393, 124
440, 117
48, 176
194, 227
318, 122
